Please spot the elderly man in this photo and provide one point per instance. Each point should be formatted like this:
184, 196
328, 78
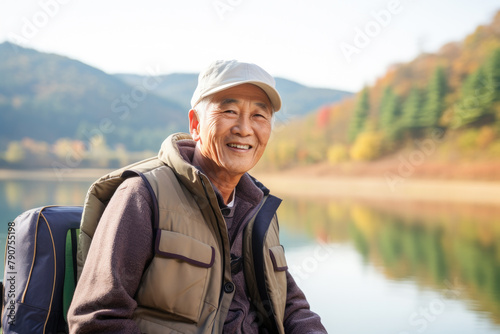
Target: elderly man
192, 245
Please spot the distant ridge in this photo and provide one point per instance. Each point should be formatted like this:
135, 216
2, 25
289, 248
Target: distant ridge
298, 99
46, 97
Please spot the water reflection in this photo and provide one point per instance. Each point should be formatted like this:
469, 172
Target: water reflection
385, 262
19, 195
434, 245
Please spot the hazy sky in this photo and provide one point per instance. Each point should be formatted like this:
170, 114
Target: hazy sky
321, 43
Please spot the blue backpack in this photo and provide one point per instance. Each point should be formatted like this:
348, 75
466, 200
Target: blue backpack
40, 269
41, 265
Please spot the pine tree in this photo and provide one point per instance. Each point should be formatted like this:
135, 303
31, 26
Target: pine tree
390, 112
412, 107
493, 76
494, 84
475, 99
434, 104
360, 114
480, 93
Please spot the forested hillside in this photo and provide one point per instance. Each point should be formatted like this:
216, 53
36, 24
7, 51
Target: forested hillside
59, 111
46, 97
442, 107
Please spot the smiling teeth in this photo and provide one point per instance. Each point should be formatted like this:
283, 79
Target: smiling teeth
243, 147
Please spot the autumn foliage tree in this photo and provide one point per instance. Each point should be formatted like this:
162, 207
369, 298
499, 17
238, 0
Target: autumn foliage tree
456, 90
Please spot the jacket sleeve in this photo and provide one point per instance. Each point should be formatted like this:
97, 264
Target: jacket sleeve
298, 316
121, 248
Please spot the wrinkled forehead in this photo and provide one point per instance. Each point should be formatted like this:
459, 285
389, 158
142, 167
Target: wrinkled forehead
243, 94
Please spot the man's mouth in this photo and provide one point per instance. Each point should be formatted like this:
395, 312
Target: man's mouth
239, 146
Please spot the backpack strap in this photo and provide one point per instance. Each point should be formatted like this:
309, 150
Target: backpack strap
156, 210
70, 276
260, 228
98, 197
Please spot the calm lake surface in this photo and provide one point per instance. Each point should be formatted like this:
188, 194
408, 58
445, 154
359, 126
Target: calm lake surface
366, 267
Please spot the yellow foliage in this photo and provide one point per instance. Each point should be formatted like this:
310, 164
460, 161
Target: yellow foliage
69, 150
467, 141
337, 153
15, 152
368, 146
122, 154
485, 136
365, 220
62, 147
35, 147
285, 153
336, 212
494, 149
13, 193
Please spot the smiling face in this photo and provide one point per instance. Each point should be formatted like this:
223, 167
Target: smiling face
233, 131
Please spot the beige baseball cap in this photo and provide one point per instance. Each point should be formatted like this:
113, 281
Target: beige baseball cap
224, 74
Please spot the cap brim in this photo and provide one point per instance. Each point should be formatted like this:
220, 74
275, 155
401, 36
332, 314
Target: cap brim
270, 91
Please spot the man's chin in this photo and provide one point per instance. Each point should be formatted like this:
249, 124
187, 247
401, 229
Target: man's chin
237, 170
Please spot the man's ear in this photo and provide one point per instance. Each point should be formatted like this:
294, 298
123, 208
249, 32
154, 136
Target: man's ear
194, 125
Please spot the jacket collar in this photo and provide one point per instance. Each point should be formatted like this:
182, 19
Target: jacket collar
170, 154
177, 152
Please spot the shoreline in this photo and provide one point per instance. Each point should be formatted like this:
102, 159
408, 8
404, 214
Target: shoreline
321, 186
50, 174
377, 188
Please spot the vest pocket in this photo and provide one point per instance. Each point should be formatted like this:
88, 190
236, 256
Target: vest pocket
181, 247
177, 278
277, 254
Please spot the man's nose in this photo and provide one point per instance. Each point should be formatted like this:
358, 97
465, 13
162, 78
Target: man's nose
243, 126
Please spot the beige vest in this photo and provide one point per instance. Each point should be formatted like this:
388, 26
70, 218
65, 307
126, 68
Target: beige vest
187, 286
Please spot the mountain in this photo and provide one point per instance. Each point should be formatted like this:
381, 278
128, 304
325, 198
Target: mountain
46, 97
177, 87
298, 99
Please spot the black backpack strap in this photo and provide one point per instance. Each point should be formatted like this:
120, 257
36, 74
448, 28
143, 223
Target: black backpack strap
261, 226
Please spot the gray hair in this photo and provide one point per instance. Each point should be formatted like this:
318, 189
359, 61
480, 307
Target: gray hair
201, 107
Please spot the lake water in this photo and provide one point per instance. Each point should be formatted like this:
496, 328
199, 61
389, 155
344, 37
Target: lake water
366, 267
